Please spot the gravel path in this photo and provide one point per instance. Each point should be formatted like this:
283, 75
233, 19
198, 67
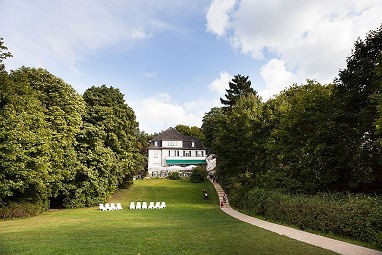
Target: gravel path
316, 240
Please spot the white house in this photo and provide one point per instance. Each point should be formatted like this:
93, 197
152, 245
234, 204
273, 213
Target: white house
172, 151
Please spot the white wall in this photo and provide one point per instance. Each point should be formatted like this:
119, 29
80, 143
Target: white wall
154, 158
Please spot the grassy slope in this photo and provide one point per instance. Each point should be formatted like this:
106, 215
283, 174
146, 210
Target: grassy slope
189, 225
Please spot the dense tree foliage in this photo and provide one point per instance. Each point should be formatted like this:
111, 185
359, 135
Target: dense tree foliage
190, 131
356, 96
63, 109
213, 122
309, 138
59, 147
298, 145
24, 143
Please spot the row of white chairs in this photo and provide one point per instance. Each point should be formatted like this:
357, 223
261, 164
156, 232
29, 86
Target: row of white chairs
110, 207
152, 205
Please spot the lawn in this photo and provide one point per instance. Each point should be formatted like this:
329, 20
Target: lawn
189, 225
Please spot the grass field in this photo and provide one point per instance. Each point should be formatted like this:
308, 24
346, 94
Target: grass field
189, 225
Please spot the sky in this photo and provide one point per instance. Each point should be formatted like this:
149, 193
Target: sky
173, 59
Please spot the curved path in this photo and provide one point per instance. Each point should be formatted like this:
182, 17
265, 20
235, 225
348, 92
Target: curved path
316, 240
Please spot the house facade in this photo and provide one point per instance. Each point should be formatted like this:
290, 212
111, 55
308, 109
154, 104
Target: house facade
172, 151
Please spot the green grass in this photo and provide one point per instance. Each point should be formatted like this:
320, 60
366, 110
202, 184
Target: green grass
189, 225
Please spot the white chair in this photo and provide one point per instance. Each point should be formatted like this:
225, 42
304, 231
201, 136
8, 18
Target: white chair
157, 205
151, 205
102, 207
144, 205
132, 205
112, 206
119, 206
107, 206
138, 205
163, 205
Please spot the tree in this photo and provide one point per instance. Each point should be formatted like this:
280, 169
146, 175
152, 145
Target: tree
63, 109
356, 104
213, 122
193, 131
299, 145
236, 144
24, 143
4, 53
378, 124
240, 85
107, 111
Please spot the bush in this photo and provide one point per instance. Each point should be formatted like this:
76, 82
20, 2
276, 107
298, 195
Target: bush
173, 176
355, 216
199, 174
15, 210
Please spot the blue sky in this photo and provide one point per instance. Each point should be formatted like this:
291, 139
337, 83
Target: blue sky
173, 59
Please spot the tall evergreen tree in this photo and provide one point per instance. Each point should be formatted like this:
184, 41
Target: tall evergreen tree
240, 85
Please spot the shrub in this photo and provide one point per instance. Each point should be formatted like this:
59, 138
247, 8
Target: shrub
15, 210
199, 174
355, 216
173, 176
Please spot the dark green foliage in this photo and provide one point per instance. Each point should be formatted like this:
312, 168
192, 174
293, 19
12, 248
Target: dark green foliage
173, 176
298, 146
199, 174
190, 131
239, 86
356, 100
57, 147
237, 145
355, 216
213, 122
22, 209
309, 138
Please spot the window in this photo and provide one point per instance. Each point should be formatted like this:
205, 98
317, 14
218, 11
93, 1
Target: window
156, 144
193, 144
155, 154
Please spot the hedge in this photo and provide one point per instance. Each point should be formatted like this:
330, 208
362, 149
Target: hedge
355, 216
199, 174
15, 210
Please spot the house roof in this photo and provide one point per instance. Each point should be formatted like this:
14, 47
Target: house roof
171, 134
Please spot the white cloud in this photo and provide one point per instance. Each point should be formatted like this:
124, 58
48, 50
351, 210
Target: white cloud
218, 18
220, 84
311, 38
159, 112
276, 76
150, 75
60, 35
